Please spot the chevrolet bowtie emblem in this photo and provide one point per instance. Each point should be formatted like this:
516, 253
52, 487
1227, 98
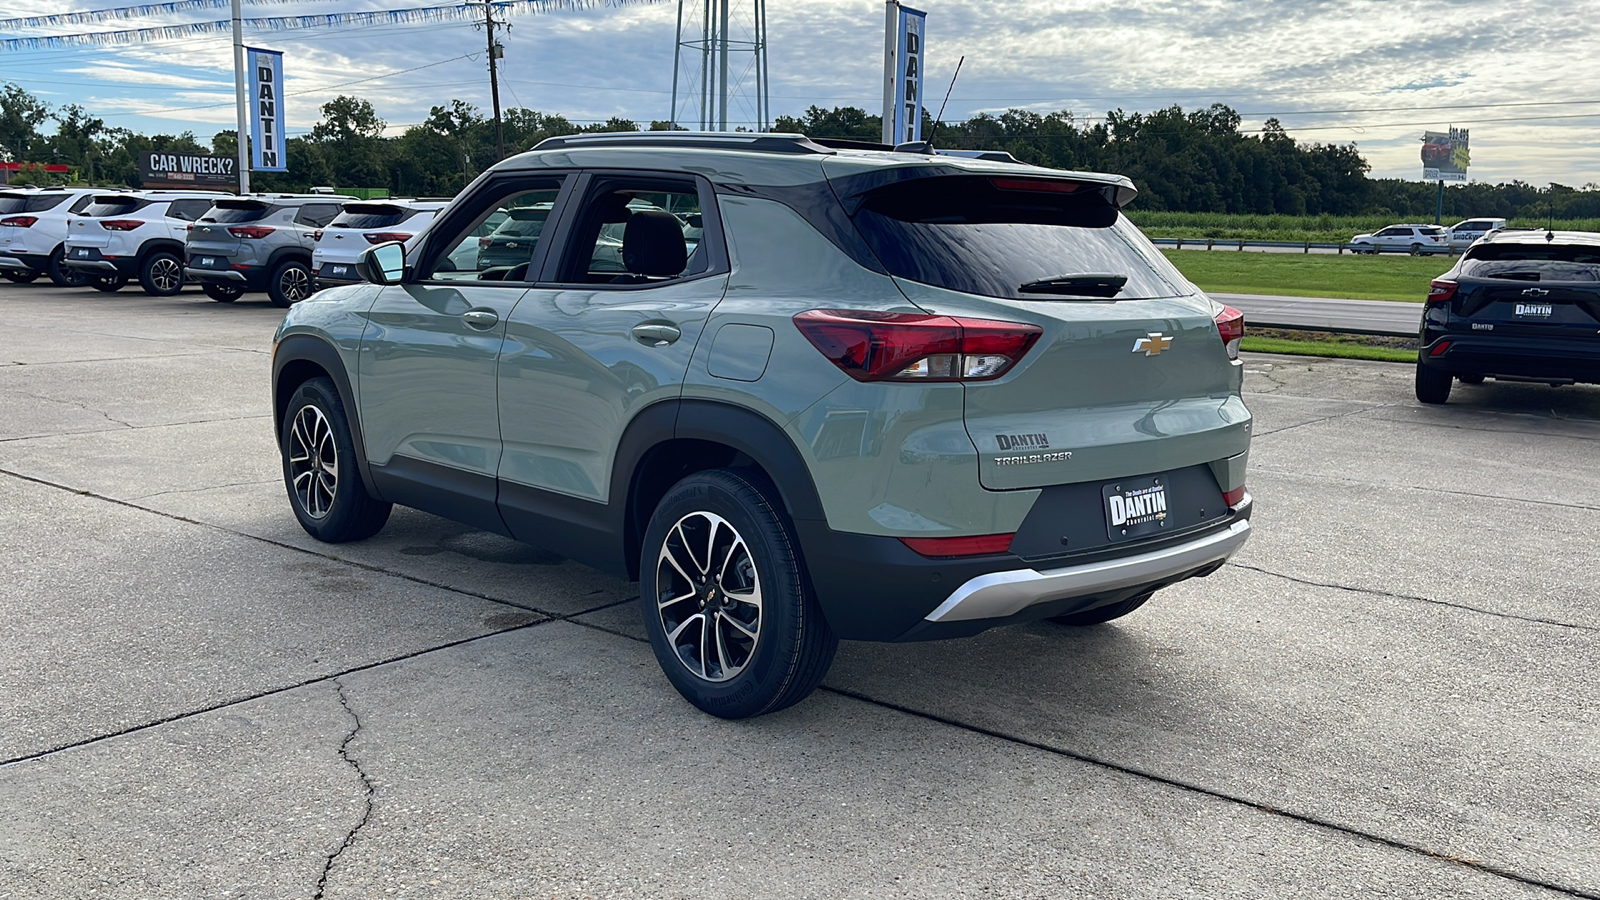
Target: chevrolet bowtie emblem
1152, 344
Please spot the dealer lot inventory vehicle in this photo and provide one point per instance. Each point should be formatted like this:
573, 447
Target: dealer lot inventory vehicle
136, 234
1517, 306
33, 233
361, 224
1417, 240
1463, 233
260, 242
888, 396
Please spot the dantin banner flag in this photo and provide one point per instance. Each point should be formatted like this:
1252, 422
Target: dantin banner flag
266, 111
908, 76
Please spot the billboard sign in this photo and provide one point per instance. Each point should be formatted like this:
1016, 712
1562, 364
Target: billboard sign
266, 111
908, 76
1445, 156
158, 170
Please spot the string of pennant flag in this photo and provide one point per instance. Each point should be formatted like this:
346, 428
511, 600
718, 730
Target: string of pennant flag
265, 23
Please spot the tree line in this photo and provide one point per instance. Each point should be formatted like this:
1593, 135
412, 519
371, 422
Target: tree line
1183, 161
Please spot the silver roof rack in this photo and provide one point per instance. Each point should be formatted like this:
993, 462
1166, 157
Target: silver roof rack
765, 143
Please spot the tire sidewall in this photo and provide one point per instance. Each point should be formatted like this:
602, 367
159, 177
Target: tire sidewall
332, 527
221, 293
275, 286
778, 566
61, 274
147, 277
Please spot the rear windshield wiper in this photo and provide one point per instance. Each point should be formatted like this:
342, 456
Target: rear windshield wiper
1084, 285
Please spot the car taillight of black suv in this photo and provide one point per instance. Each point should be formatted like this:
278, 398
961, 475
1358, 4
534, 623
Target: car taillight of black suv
1519, 306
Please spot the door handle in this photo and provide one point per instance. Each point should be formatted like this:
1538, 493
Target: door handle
656, 334
481, 319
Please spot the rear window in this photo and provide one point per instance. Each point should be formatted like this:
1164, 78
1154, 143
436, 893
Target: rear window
523, 223
992, 236
42, 202
371, 215
235, 211
1532, 262
13, 204
112, 206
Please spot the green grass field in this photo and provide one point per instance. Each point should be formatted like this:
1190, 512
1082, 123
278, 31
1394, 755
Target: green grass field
1317, 229
1332, 347
1311, 274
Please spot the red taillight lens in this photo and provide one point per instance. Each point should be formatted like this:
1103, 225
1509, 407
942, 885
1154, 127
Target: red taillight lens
120, 224
1235, 496
484, 242
1230, 325
189, 227
1440, 348
885, 346
979, 545
384, 237
316, 235
1441, 290
254, 232
20, 221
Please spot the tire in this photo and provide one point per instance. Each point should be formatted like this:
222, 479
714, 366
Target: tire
20, 277
222, 293
1470, 379
290, 283
1416, 249
1366, 248
110, 284
1101, 614
1433, 386
315, 444
757, 656
161, 274
64, 275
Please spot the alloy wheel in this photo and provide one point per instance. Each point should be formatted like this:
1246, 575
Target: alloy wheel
166, 274
313, 462
709, 596
295, 284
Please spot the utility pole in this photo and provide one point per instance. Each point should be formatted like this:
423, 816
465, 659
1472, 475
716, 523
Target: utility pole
496, 51
241, 88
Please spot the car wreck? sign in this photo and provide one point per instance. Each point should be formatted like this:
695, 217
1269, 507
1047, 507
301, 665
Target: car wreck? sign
187, 170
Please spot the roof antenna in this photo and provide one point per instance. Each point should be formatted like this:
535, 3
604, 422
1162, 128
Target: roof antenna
936, 119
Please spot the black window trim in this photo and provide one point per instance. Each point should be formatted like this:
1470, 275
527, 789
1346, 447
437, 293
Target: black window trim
454, 220
711, 229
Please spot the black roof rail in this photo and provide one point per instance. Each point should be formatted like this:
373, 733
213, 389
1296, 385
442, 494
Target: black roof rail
767, 143
848, 144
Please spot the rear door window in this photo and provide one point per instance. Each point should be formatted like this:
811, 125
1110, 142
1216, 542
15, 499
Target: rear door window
42, 202
996, 236
317, 215
189, 210
80, 204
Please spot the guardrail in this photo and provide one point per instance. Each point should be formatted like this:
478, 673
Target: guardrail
1229, 244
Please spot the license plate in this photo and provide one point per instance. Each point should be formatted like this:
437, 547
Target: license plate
1135, 507
208, 260
339, 270
81, 253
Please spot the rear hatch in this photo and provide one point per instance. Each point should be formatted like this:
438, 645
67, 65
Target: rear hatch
13, 218
108, 216
217, 237
346, 236
1129, 374
1529, 290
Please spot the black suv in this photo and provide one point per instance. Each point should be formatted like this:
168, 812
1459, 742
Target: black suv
1518, 306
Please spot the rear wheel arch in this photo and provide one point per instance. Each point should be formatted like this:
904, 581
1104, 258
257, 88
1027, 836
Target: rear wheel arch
669, 441
300, 358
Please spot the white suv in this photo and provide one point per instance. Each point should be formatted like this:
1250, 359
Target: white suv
1418, 240
33, 230
136, 234
1464, 233
361, 224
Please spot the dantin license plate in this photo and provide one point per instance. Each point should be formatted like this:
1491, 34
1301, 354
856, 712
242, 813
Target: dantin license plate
338, 270
81, 253
1135, 507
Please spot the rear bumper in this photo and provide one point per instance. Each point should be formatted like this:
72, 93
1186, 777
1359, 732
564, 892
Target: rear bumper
1562, 359
331, 274
217, 276
18, 262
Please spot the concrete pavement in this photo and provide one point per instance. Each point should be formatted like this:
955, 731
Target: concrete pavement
1389, 693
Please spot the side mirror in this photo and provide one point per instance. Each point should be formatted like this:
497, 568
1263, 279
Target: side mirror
383, 264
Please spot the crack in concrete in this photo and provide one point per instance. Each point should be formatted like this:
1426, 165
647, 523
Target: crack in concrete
1421, 489
73, 403
1414, 597
1343, 415
367, 790
202, 490
54, 434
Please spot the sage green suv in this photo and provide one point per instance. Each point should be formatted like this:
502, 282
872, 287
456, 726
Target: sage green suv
871, 395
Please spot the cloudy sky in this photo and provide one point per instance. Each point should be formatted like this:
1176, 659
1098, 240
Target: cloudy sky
1376, 73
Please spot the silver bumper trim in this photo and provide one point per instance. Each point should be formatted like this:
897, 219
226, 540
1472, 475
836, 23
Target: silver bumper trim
213, 274
1001, 594
11, 263
100, 265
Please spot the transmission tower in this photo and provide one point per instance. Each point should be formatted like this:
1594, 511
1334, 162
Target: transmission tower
719, 75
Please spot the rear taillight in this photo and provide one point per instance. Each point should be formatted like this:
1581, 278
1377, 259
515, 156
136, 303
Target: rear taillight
1230, 325
316, 235
384, 237
886, 346
20, 221
254, 232
978, 545
120, 224
1442, 290
1235, 496
1440, 348
189, 227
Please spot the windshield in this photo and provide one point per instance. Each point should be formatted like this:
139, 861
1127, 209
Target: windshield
994, 236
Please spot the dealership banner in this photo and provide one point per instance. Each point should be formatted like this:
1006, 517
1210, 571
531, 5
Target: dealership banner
266, 111
1445, 156
165, 170
908, 76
